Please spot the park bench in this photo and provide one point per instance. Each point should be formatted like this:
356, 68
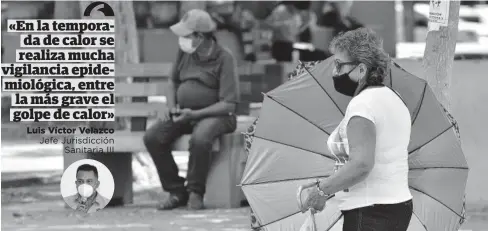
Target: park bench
134, 116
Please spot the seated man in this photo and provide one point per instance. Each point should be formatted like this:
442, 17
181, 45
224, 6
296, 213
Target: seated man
205, 86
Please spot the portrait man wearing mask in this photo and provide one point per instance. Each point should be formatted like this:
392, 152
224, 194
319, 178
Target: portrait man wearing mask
87, 200
202, 99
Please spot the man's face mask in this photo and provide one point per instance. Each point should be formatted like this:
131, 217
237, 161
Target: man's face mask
343, 82
85, 190
186, 45
86, 183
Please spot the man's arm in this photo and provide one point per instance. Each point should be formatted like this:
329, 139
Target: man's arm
174, 81
229, 91
171, 94
218, 109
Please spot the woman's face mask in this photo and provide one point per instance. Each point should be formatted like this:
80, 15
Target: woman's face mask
186, 45
343, 82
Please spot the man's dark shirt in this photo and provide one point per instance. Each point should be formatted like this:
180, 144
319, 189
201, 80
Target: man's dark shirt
201, 83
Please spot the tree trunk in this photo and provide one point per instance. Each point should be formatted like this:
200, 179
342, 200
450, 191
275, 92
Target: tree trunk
439, 56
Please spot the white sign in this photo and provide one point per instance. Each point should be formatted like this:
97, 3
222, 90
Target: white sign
438, 14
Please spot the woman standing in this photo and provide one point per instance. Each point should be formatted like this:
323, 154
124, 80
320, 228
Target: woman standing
375, 133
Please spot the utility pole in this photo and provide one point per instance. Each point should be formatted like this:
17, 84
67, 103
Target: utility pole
439, 55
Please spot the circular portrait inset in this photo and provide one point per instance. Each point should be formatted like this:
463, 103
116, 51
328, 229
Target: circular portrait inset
87, 186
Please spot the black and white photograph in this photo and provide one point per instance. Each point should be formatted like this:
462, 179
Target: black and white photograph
226, 115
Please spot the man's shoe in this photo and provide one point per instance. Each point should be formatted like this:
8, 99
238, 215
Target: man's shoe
174, 200
195, 202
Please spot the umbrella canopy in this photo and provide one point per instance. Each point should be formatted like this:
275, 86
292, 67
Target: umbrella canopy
289, 149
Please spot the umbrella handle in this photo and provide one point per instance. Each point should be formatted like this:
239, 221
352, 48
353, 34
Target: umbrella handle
303, 187
300, 190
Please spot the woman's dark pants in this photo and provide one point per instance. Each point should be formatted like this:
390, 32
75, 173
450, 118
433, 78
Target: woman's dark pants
159, 139
391, 217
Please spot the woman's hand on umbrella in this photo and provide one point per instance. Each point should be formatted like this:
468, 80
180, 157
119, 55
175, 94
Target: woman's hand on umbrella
314, 200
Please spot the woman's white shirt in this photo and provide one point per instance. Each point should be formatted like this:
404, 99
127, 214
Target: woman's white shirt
387, 182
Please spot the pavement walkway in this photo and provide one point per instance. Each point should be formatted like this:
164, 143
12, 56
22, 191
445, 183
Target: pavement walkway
41, 207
